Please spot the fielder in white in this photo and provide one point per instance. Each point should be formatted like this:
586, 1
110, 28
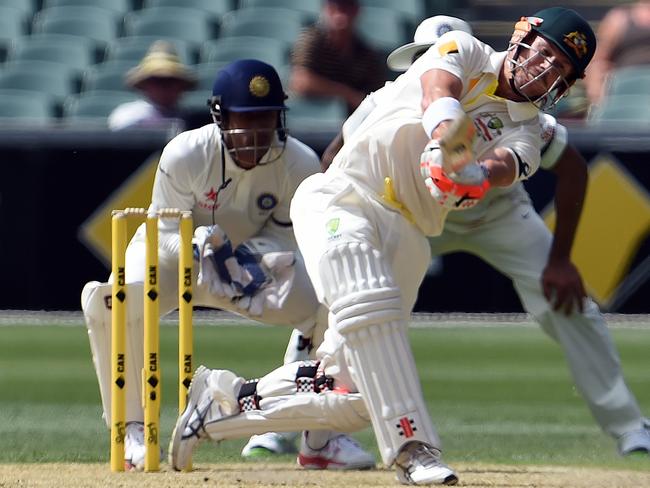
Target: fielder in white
237, 176
362, 228
539, 264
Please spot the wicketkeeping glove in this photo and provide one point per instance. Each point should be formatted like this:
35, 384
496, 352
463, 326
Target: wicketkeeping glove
271, 278
461, 191
218, 267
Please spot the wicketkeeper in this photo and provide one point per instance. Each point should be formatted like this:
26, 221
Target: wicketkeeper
237, 176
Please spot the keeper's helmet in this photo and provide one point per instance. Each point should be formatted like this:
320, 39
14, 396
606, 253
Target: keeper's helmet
247, 86
566, 30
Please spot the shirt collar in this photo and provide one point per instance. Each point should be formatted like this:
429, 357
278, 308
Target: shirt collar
518, 111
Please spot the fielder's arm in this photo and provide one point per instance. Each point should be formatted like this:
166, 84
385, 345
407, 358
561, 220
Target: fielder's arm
561, 279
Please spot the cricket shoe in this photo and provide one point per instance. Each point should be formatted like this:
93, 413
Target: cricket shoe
341, 452
269, 444
420, 464
134, 448
210, 398
636, 441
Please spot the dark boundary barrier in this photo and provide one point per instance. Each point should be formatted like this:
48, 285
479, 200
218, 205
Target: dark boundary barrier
53, 179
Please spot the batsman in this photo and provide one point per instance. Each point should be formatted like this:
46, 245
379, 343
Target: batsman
362, 228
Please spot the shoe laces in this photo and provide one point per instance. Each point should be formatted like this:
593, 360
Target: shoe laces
419, 454
196, 425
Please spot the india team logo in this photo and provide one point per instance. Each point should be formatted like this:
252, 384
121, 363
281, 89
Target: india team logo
259, 86
266, 201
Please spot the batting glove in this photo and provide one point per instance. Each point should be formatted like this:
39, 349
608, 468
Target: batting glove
460, 191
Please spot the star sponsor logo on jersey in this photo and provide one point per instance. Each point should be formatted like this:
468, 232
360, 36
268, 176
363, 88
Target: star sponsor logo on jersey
210, 200
266, 202
577, 41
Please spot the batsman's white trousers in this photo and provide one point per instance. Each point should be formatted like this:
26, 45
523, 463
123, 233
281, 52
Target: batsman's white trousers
366, 262
513, 238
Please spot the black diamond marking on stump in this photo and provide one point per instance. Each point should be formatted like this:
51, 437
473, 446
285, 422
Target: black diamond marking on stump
153, 381
187, 296
187, 382
120, 295
120, 382
152, 295
152, 396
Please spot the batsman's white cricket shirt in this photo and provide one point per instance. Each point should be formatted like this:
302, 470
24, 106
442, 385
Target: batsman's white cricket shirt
387, 140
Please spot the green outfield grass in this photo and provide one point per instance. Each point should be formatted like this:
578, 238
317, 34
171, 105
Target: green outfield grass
498, 394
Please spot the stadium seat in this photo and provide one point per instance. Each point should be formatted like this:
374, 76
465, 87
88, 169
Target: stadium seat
324, 114
25, 106
226, 49
74, 52
52, 79
119, 6
382, 29
196, 100
632, 109
91, 23
107, 76
630, 81
411, 10
133, 49
187, 24
27, 7
286, 30
264, 13
310, 8
12, 26
95, 104
216, 8
206, 74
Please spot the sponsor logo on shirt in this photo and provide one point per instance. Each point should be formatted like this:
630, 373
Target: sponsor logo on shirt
210, 202
488, 126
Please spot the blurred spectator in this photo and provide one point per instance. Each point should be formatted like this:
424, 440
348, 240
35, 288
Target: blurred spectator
330, 60
623, 40
162, 79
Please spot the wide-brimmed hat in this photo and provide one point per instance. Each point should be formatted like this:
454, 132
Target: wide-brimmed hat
161, 61
425, 36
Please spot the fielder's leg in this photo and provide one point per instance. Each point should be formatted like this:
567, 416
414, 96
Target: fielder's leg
588, 347
96, 305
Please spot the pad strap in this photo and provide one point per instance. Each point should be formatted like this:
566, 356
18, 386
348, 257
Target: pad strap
248, 398
310, 378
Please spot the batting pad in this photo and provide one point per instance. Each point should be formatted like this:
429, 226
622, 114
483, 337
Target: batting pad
367, 311
96, 303
282, 406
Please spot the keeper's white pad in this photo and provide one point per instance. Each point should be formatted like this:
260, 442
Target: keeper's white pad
283, 408
95, 303
367, 311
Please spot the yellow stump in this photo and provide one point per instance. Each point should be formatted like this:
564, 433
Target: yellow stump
185, 348
151, 373
118, 341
